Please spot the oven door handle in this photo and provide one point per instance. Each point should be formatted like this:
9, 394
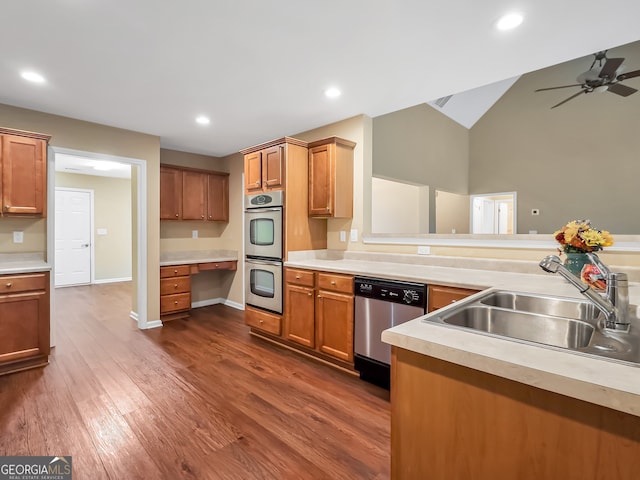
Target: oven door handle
261, 210
264, 262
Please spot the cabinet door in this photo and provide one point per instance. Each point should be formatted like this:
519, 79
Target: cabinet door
253, 172
24, 325
24, 173
218, 198
321, 193
273, 167
334, 323
439, 296
194, 195
170, 194
299, 315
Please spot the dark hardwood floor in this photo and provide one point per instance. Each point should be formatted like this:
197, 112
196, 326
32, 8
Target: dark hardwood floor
199, 398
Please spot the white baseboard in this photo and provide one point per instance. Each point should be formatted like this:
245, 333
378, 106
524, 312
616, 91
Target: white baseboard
153, 324
134, 315
216, 301
113, 280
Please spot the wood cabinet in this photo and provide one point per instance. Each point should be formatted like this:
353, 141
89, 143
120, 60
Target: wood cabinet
24, 321
264, 321
170, 193
439, 296
319, 312
331, 178
455, 422
193, 194
23, 173
175, 292
264, 169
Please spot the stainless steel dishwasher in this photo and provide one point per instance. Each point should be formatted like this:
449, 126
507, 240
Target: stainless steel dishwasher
381, 304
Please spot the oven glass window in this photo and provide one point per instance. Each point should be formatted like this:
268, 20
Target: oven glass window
261, 231
262, 283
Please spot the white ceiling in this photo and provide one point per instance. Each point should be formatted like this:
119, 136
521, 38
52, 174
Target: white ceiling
259, 68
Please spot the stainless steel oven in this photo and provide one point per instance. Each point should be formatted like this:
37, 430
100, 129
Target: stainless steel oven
263, 283
263, 225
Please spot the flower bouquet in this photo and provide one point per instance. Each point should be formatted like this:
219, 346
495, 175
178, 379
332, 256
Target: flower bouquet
577, 238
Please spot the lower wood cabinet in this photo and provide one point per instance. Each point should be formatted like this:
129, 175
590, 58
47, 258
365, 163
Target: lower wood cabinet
319, 312
24, 321
439, 296
175, 292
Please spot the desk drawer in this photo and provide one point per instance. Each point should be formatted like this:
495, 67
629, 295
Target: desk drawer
23, 283
169, 286
175, 271
175, 303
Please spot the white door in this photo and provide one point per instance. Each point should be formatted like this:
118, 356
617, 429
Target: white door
73, 237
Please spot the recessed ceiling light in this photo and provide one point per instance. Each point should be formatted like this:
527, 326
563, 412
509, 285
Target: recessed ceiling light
202, 120
509, 21
32, 77
332, 92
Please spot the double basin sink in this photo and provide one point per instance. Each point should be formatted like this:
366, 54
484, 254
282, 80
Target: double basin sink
556, 322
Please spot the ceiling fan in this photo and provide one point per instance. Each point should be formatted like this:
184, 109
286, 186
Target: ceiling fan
600, 78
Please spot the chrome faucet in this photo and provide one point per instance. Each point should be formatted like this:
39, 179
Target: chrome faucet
615, 303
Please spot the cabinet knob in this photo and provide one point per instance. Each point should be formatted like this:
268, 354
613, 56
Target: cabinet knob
327, 208
210, 216
217, 266
453, 301
319, 296
297, 277
175, 271
9, 285
257, 182
201, 216
261, 322
175, 286
310, 294
176, 302
177, 215
333, 282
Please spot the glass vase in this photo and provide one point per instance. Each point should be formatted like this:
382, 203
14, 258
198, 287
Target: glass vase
575, 262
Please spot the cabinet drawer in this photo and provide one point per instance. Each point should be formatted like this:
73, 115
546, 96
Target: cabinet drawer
299, 277
175, 271
227, 265
169, 286
336, 282
268, 322
174, 303
23, 283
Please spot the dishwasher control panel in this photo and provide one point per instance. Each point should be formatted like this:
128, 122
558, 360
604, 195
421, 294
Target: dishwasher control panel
407, 293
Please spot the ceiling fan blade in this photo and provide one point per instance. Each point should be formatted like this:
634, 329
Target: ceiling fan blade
620, 89
570, 98
555, 88
609, 69
624, 76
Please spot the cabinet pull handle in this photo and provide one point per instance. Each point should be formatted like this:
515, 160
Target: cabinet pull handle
9, 285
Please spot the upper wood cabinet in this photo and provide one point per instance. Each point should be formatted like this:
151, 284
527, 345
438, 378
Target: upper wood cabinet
193, 194
170, 193
331, 178
264, 169
23, 172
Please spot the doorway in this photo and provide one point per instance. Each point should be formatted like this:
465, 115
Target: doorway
493, 213
73, 237
139, 228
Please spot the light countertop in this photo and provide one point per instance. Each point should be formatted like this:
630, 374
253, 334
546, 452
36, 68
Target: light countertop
12, 263
598, 381
197, 256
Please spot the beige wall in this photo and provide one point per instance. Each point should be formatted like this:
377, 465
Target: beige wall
91, 137
34, 235
453, 213
177, 236
422, 146
112, 210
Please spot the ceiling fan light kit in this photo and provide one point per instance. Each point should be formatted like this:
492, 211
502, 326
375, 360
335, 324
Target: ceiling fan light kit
602, 77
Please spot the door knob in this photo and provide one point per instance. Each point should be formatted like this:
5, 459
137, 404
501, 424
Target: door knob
85, 245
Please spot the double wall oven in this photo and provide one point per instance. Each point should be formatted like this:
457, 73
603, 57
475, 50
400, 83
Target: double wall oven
263, 250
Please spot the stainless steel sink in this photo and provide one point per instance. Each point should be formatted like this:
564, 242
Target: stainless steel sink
561, 323
555, 331
554, 306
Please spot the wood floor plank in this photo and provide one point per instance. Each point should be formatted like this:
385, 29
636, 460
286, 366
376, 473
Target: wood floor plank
196, 399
